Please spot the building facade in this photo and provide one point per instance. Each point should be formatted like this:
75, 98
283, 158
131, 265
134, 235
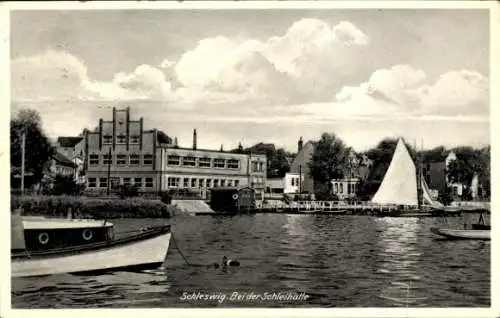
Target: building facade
300, 165
289, 184
200, 170
122, 152
73, 148
345, 188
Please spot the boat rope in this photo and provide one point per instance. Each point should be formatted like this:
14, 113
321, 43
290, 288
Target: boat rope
178, 248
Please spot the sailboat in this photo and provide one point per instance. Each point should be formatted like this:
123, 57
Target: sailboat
405, 188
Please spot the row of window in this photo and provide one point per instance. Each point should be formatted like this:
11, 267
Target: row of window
103, 182
339, 188
176, 182
203, 162
295, 182
120, 139
121, 159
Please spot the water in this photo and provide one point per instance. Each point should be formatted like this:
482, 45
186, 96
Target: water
338, 261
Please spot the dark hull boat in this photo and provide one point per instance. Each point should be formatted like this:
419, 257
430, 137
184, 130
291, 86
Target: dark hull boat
53, 246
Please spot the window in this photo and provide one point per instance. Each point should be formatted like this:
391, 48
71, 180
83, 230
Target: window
121, 160
92, 182
186, 183
193, 183
189, 161
349, 188
107, 159
138, 182
126, 181
107, 139
229, 183
341, 187
209, 183
293, 182
147, 160
94, 159
216, 183
121, 139
219, 163
223, 183
135, 159
173, 160
134, 139
149, 182
336, 188
103, 182
173, 182
201, 183
257, 166
233, 164
236, 183
204, 162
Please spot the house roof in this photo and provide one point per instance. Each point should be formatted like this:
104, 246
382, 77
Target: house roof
62, 159
69, 141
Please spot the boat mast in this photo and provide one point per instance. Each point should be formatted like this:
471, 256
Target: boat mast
419, 181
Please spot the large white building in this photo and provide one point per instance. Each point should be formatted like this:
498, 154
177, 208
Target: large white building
126, 153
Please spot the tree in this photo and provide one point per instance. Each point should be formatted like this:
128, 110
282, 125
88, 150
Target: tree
327, 163
38, 150
65, 185
277, 163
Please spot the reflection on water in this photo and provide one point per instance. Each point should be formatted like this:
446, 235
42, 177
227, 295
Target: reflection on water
339, 261
400, 259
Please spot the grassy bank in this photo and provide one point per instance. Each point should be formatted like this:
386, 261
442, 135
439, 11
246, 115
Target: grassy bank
88, 207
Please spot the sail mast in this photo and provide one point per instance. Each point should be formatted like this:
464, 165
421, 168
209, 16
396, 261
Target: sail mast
417, 172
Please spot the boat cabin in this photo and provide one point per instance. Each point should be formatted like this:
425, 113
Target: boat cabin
38, 234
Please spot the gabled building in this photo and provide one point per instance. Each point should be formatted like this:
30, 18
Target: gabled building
130, 154
300, 165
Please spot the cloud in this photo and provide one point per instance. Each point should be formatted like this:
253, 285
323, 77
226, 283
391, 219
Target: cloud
52, 75
409, 91
308, 65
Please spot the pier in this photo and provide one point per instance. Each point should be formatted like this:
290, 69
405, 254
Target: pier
347, 208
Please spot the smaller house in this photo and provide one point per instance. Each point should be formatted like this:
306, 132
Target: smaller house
289, 184
345, 188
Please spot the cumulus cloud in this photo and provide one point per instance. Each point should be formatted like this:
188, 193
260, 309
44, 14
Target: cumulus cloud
455, 92
308, 65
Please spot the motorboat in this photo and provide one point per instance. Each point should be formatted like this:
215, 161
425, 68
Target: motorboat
46, 246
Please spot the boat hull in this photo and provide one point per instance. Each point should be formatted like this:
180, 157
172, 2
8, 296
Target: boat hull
463, 234
143, 251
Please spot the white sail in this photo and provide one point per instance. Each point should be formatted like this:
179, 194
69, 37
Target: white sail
399, 185
426, 196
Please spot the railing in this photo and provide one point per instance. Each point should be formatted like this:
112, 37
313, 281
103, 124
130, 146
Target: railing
334, 205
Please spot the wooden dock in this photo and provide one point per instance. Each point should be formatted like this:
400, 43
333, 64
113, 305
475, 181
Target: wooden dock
341, 208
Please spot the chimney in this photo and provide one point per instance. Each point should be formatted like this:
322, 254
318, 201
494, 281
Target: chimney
300, 144
194, 139
221, 147
176, 143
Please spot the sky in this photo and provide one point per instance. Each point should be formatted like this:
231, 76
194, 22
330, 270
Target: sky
259, 75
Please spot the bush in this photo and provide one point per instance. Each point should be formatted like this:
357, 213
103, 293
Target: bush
166, 198
92, 207
128, 191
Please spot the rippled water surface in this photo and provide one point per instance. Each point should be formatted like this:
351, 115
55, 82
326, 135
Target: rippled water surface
338, 261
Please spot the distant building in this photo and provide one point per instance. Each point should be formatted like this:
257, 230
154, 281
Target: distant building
345, 188
148, 159
300, 164
288, 184
73, 148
